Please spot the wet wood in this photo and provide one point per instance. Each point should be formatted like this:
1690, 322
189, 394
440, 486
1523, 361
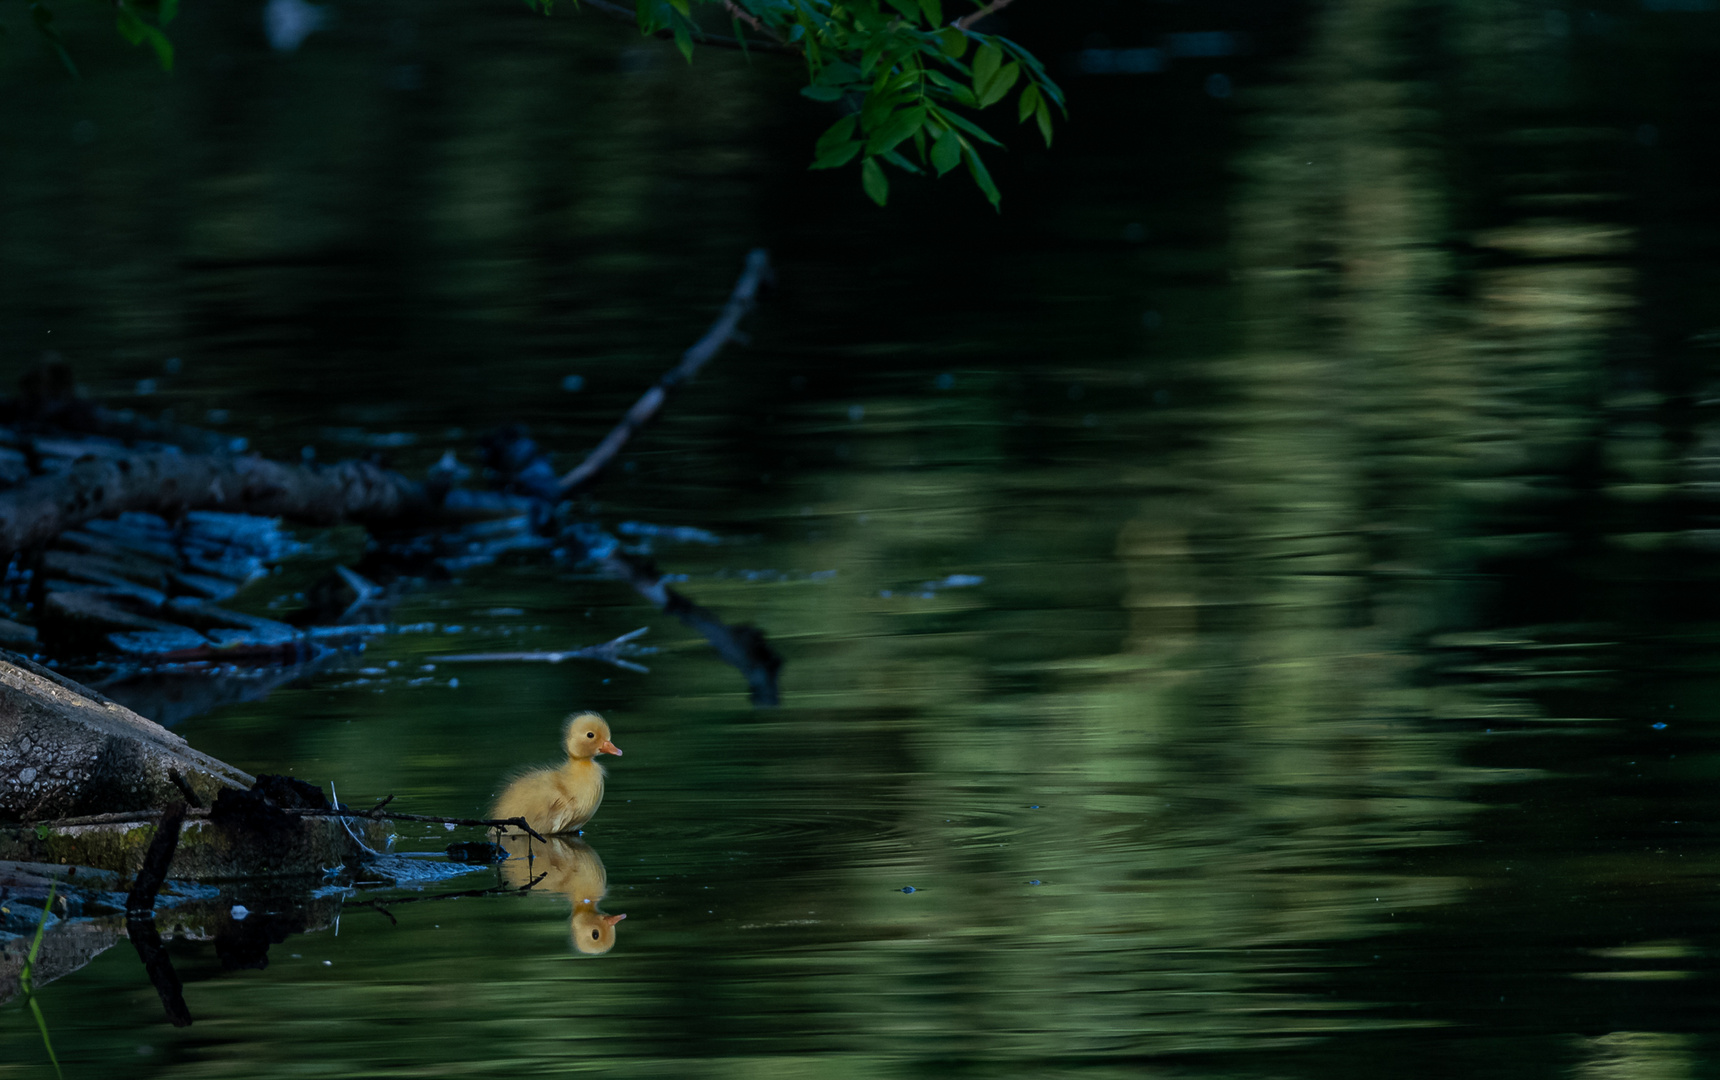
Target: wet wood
171, 482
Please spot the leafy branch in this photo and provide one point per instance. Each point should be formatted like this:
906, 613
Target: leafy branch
904, 78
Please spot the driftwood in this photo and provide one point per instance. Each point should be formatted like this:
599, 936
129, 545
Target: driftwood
171, 482
754, 279
610, 652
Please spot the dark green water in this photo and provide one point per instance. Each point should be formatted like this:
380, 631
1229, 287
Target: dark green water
1339, 458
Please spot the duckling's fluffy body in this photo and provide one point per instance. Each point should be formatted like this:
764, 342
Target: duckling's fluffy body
562, 799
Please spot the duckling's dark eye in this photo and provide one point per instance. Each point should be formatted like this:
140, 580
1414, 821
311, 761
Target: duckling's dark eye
594, 935
591, 734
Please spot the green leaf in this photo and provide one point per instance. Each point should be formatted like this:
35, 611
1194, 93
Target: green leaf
684, 40
899, 126
874, 50
43, 20
961, 93
872, 178
998, 87
909, 8
170, 8
968, 126
163, 47
129, 25
901, 162
1029, 102
879, 104
947, 151
835, 157
839, 73
934, 10
1044, 114
823, 93
838, 133
985, 65
953, 42
983, 178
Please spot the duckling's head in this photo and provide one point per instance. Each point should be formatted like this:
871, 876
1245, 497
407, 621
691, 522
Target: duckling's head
587, 736
593, 932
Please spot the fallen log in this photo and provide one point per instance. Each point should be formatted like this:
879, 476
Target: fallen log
170, 483
66, 750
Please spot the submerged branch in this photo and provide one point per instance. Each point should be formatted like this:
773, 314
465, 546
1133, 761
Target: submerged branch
140, 902
742, 647
487, 823
754, 278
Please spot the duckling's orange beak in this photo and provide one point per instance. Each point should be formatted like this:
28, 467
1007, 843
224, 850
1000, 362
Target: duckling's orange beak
611, 920
607, 747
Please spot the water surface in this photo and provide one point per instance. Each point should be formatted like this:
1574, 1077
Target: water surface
1248, 611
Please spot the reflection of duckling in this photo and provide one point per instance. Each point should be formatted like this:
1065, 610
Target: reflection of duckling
561, 800
572, 868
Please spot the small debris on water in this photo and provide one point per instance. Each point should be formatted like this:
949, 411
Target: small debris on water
909, 888
448, 825
453, 683
1035, 881
573, 384
1660, 727
239, 912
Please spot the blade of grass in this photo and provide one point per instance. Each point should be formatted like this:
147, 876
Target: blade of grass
25, 974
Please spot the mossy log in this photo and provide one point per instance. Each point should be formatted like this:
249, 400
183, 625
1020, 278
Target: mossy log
304, 847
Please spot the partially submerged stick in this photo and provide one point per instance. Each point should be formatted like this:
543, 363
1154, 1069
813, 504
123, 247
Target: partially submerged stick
755, 277
610, 652
743, 647
140, 902
487, 823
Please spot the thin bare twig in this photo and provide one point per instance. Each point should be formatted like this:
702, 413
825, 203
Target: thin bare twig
741, 301
610, 652
966, 21
487, 823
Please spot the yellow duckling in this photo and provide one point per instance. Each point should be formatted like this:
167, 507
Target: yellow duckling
572, 868
561, 800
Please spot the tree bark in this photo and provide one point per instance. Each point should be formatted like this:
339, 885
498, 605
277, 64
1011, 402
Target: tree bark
170, 483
